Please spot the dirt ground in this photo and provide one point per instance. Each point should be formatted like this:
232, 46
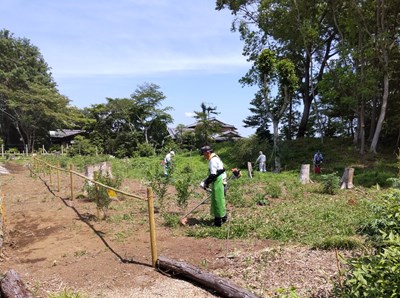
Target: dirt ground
57, 245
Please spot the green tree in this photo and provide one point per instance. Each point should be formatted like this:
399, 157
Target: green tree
149, 117
122, 124
267, 72
30, 103
207, 126
300, 30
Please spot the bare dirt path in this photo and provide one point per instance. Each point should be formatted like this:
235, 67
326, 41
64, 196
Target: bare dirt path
55, 245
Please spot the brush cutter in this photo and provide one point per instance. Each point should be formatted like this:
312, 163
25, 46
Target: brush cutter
235, 174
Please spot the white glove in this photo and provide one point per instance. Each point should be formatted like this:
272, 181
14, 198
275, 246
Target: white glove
202, 185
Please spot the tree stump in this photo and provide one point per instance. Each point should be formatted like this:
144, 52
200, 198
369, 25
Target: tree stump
11, 286
347, 179
223, 287
250, 169
104, 168
305, 174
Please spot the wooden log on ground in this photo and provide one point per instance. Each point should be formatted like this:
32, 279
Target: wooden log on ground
347, 179
305, 174
11, 286
210, 281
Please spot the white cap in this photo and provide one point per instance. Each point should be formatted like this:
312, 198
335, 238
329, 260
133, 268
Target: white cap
172, 152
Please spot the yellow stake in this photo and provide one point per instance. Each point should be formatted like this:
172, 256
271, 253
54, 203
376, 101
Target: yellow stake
150, 202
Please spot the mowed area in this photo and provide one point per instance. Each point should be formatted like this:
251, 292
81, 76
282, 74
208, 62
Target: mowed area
55, 244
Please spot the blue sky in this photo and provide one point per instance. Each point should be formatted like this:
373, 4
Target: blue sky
102, 48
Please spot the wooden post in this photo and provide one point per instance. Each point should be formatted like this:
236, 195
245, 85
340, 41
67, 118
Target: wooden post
58, 176
51, 180
97, 202
150, 203
72, 181
33, 166
347, 179
305, 174
3, 212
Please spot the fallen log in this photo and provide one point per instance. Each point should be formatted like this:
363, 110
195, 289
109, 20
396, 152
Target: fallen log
223, 287
12, 286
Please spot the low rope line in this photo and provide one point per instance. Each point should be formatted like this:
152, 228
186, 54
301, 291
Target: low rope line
94, 181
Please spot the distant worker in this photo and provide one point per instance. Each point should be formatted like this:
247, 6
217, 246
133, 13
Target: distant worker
168, 163
317, 160
261, 159
216, 180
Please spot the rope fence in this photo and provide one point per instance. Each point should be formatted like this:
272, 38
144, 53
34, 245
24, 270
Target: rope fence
41, 166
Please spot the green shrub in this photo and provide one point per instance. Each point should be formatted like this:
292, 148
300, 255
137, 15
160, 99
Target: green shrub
330, 183
376, 275
99, 194
184, 187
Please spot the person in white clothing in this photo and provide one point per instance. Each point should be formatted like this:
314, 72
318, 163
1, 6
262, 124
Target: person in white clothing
168, 163
261, 160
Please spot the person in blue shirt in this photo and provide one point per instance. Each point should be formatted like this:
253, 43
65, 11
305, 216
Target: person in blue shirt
317, 160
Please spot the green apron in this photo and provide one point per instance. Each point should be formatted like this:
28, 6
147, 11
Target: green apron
218, 198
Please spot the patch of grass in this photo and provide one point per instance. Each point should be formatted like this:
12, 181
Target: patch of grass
171, 219
339, 242
68, 294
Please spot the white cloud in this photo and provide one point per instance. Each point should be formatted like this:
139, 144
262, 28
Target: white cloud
127, 37
190, 114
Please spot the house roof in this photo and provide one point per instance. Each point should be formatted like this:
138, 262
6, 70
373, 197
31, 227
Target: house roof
222, 124
62, 133
230, 131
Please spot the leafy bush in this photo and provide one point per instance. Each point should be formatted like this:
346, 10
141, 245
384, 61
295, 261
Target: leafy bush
99, 193
81, 146
184, 186
330, 183
377, 274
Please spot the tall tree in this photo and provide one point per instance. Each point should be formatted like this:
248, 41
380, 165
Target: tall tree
267, 72
300, 30
149, 114
30, 103
122, 124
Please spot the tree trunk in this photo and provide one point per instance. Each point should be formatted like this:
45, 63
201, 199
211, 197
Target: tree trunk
383, 108
277, 168
305, 174
223, 287
347, 179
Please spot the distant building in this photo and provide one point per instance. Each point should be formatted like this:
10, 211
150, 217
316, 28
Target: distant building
228, 131
64, 137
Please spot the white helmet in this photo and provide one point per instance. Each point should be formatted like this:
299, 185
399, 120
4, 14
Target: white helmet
172, 153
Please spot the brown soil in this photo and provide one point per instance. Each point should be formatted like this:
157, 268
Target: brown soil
57, 245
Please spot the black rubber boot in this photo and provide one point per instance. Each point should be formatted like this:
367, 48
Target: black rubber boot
225, 218
218, 221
